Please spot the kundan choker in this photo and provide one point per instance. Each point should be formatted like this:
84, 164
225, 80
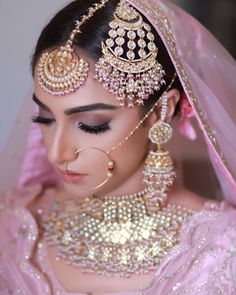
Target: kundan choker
114, 236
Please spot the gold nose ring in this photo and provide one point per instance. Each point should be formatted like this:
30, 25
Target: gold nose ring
110, 165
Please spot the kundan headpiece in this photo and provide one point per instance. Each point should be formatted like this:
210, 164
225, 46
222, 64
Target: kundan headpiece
128, 67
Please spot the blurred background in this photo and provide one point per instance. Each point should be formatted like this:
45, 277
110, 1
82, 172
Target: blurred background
20, 26
219, 16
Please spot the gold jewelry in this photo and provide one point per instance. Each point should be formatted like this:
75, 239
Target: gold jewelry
120, 235
110, 165
61, 71
133, 75
114, 236
159, 171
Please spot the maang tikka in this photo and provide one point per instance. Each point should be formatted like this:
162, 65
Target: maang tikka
159, 171
62, 71
129, 68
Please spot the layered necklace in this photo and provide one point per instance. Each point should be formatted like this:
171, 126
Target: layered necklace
114, 236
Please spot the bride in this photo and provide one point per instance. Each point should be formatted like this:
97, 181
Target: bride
98, 208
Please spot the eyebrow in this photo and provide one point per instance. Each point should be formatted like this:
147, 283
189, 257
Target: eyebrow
40, 104
80, 109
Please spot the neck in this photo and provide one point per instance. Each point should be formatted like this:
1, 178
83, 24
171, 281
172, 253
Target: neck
130, 185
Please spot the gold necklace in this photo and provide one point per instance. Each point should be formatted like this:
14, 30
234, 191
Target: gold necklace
114, 236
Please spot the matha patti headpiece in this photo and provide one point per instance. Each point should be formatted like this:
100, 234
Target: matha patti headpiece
129, 68
61, 71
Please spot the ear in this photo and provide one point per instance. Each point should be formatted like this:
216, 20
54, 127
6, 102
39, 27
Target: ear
173, 98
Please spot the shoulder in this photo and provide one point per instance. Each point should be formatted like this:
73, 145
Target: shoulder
205, 259
184, 197
17, 219
20, 205
212, 219
19, 197
18, 235
216, 221
14, 214
213, 222
212, 236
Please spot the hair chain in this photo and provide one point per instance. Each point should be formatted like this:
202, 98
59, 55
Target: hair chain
91, 11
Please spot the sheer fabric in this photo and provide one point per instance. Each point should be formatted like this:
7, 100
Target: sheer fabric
205, 261
202, 263
207, 73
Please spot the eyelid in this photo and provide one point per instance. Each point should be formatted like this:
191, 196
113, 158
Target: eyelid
91, 118
93, 125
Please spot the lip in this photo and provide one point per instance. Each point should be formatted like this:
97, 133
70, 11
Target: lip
71, 176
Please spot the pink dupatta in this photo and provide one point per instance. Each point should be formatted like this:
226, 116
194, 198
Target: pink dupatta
207, 73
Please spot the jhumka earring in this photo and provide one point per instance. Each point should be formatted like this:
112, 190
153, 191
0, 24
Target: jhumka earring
131, 75
61, 71
159, 171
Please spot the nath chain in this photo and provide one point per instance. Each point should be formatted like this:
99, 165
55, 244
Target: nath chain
157, 104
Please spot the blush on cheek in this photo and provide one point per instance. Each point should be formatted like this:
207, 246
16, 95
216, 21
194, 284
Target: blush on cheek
129, 162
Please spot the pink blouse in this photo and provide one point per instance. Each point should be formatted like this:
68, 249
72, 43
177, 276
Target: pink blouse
203, 263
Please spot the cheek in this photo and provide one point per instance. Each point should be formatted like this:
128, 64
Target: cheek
129, 158
46, 133
131, 154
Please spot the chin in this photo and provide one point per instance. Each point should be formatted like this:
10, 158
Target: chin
76, 191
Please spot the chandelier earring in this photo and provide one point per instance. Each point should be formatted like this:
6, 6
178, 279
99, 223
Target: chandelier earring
159, 171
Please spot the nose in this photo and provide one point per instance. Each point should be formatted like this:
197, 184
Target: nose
61, 147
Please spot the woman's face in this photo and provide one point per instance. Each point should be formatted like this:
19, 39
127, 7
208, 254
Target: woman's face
91, 118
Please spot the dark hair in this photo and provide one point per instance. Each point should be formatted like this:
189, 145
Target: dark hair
94, 31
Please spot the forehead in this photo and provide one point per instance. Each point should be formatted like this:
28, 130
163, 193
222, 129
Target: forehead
90, 93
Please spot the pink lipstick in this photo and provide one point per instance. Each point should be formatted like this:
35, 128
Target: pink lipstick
71, 176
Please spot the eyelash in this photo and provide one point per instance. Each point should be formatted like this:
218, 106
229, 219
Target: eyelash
86, 128
41, 120
94, 129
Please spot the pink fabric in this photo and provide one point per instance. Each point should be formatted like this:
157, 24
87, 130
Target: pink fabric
36, 167
204, 262
207, 72
186, 129
185, 126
